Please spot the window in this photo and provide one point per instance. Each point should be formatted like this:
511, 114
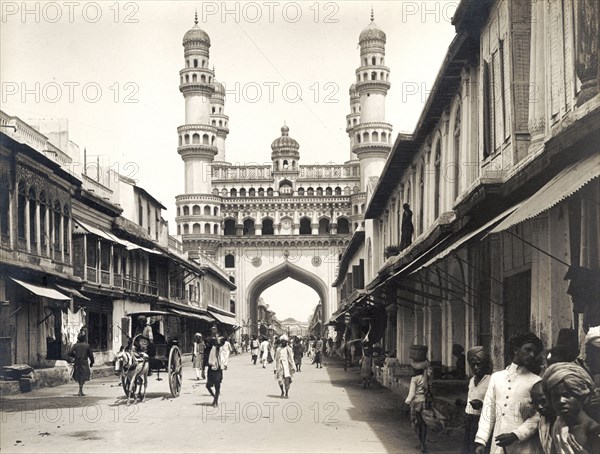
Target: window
456, 157
66, 231
196, 210
56, 223
229, 261
148, 218
206, 211
21, 202
43, 231
323, 226
98, 330
305, 227
4, 211
140, 212
437, 175
229, 227
207, 228
249, 227
300, 192
196, 230
343, 227
32, 220
186, 210
267, 227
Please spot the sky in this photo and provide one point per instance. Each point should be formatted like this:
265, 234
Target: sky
112, 70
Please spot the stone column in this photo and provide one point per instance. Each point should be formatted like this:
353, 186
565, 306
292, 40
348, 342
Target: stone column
587, 48
27, 226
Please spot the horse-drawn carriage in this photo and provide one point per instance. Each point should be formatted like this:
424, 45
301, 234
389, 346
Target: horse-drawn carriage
160, 352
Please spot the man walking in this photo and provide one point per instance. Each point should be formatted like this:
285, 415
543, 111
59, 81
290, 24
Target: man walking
318, 352
264, 352
503, 415
215, 362
254, 344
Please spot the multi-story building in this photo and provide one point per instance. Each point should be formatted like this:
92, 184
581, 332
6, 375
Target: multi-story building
81, 252
501, 173
267, 222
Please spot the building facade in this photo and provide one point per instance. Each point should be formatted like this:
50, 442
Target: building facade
501, 175
265, 223
81, 252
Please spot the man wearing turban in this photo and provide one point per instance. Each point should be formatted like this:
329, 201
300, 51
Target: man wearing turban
508, 394
480, 362
569, 388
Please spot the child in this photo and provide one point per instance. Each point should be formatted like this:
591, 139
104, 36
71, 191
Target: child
81, 352
417, 400
547, 416
569, 388
481, 366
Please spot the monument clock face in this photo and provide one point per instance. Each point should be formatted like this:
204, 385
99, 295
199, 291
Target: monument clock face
286, 226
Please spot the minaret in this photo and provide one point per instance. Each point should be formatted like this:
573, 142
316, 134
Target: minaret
371, 136
218, 118
197, 210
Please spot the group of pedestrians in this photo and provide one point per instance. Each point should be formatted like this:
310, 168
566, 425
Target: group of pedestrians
546, 404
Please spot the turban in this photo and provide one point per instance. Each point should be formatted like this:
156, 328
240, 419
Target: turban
520, 339
478, 353
593, 337
574, 377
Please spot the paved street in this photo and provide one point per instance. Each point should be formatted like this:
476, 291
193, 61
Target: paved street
328, 411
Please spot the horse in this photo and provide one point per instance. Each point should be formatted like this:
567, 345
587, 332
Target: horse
134, 373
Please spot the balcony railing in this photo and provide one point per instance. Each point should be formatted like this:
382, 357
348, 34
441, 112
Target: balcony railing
92, 275
140, 286
105, 277
117, 280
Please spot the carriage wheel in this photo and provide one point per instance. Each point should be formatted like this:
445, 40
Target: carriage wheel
175, 368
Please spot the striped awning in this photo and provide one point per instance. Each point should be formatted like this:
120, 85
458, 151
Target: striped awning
568, 181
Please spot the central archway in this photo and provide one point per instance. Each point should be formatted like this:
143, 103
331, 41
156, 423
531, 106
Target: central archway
277, 274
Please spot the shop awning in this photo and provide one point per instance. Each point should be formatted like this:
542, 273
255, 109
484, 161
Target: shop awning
95, 231
227, 319
568, 181
72, 292
481, 230
40, 290
109, 236
205, 318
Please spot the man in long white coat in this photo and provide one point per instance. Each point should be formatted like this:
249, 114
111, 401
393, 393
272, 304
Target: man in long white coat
507, 415
264, 352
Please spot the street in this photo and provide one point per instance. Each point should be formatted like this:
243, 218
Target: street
328, 411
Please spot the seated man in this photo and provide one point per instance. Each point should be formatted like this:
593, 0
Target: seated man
142, 338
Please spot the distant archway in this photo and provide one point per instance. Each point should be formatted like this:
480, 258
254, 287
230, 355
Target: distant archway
278, 274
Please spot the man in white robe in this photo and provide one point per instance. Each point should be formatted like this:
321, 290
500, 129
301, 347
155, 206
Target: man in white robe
507, 415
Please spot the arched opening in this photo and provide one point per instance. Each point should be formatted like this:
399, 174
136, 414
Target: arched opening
207, 228
319, 191
186, 229
437, 162
196, 229
233, 192
310, 191
243, 192
338, 191
270, 192
323, 226
300, 192
264, 291
216, 229
285, 187
229, 227
343, 226
261, 192
252, 192
229, 261
206, 210
305, 227
249, 227
328, 191
216, 211
267, 227
186, 210
196, 138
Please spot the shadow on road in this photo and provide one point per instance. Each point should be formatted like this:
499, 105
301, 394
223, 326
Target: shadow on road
383, 411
